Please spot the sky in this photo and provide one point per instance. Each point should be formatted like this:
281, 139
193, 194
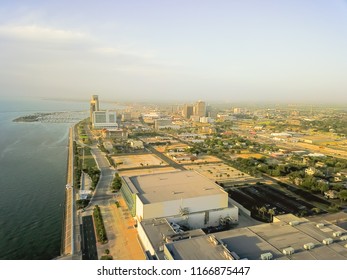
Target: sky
161, 50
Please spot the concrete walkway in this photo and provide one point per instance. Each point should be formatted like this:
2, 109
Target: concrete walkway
122, 235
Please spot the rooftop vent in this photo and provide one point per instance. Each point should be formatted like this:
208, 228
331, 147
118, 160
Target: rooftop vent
320, 225
337, 233
266, 256
328, 241
214, 240
227, 255
308, 246
343, 238
294, 223
288, 251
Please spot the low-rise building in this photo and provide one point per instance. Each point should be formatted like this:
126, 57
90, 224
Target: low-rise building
331, 194
311, 171
136, 144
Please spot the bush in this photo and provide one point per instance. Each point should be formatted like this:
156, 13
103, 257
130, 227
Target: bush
99, 225
82, 203
106, 257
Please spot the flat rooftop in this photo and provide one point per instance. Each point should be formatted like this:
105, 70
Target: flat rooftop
158, 230
200, 248
169, 186
251, 242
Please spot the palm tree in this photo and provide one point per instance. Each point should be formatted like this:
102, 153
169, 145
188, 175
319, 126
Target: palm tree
271, 212
262, 210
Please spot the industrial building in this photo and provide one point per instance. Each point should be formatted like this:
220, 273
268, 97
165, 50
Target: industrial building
183, 196
288, 237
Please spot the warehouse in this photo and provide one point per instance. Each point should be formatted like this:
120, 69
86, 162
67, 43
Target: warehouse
181, 195
288, 237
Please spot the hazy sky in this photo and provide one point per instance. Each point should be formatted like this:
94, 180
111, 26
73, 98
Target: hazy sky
242, 50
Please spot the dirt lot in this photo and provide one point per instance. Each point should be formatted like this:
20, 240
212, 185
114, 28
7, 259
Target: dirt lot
133, 161
219, 171
249, 155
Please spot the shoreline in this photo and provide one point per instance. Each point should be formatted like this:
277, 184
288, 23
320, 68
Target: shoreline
67, 240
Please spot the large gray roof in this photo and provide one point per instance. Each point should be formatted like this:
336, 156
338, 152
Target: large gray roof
153, 188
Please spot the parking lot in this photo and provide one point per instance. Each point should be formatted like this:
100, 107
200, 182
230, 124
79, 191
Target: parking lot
271, 198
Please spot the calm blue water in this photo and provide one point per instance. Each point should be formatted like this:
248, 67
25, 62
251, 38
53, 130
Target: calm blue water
32, 180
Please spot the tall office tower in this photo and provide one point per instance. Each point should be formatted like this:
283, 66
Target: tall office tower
187, 111
94, 105
200, 109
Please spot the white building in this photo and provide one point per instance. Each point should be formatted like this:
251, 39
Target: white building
136, 144
206, 120
182, 196
105, 119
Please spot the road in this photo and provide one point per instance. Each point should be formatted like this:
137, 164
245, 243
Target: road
89, 251
165, 158
102, 194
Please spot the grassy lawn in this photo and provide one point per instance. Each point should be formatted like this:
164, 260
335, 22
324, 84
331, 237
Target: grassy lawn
89, 161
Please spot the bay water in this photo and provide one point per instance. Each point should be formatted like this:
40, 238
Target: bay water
33, 159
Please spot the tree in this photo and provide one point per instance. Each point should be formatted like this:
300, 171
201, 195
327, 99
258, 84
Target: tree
271, 212
316, 210
262, 210
343, 195
116, 183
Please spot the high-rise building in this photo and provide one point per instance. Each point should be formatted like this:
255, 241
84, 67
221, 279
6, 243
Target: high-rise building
187, 111
105, 119
94, 105
200, 109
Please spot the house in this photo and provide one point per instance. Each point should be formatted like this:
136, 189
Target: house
331, 194
311, 171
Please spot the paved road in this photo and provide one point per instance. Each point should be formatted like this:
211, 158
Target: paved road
165, 158
102, 194
89, 251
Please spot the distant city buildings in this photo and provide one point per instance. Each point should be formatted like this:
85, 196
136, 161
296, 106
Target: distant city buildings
94, 105
187, 111
102, 119
196, 111
200, 109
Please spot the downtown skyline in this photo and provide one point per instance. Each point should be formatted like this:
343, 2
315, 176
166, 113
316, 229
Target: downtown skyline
241, 51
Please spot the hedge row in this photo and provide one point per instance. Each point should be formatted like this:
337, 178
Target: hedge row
99, 225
